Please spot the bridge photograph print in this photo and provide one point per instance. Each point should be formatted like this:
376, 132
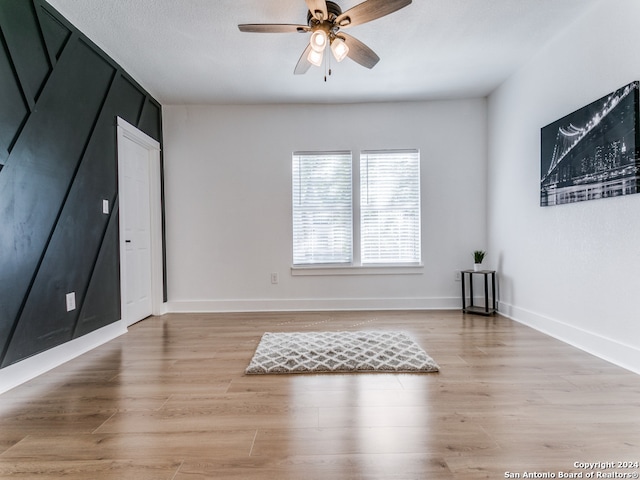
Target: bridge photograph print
593, 152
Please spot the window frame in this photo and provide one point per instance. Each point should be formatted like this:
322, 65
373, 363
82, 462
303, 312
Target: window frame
356, 267
311, 208
411, 203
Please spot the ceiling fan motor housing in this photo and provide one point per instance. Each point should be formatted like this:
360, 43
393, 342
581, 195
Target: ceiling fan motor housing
333, 9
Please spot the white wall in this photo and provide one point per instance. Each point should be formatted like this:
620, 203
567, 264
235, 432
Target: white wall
228, 201
570, 270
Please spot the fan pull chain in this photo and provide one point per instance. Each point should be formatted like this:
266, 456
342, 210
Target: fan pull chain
327, 59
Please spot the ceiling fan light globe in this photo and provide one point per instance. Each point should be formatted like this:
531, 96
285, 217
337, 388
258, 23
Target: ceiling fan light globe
339, 48
315, 57
318, 40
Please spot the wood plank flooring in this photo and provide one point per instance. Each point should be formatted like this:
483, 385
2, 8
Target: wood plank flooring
169, 400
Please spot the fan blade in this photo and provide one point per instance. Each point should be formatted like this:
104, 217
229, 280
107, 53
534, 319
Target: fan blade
273, 28
359, 52
303, 64
369, 10
318, 9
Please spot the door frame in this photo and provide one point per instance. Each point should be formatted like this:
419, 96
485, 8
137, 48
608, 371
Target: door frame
127, 131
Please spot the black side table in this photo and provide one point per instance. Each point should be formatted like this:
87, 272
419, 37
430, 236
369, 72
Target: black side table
471, 308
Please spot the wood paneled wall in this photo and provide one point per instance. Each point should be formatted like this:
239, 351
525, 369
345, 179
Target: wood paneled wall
59, 98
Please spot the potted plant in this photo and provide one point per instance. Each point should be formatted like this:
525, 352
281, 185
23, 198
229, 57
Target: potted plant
478, 256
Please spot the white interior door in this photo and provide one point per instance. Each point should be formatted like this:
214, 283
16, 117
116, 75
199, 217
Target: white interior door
137, 154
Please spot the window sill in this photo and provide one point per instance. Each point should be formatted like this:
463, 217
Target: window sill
391, 269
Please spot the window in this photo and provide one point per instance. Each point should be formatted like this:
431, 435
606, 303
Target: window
390, 206
387, 215
322, 208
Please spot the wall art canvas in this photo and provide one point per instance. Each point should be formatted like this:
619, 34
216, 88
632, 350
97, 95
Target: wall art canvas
593, 152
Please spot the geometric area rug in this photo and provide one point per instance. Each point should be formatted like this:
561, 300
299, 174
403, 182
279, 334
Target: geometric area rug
339, 352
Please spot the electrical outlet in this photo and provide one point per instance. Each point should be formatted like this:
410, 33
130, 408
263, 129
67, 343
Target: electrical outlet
274, 278
457, 277
71, 301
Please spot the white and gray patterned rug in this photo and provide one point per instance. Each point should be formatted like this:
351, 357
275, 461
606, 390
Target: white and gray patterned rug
365, 351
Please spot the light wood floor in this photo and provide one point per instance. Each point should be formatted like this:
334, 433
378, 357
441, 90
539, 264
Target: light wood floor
169, 400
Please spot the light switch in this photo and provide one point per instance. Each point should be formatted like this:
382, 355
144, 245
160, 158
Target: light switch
105, 207
71, 301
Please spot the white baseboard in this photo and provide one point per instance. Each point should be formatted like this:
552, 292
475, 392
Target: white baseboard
614, 351
29, 368
324, 304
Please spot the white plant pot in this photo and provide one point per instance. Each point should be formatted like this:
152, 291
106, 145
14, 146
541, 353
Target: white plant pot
477, 267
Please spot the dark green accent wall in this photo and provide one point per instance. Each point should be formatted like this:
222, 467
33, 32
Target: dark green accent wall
59, 99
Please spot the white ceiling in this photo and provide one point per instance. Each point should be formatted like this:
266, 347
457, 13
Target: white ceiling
191, 51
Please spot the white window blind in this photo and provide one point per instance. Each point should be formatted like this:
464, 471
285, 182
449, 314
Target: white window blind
322, 208
390, 206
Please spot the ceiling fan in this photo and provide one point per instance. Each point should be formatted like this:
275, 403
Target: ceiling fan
325, 21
